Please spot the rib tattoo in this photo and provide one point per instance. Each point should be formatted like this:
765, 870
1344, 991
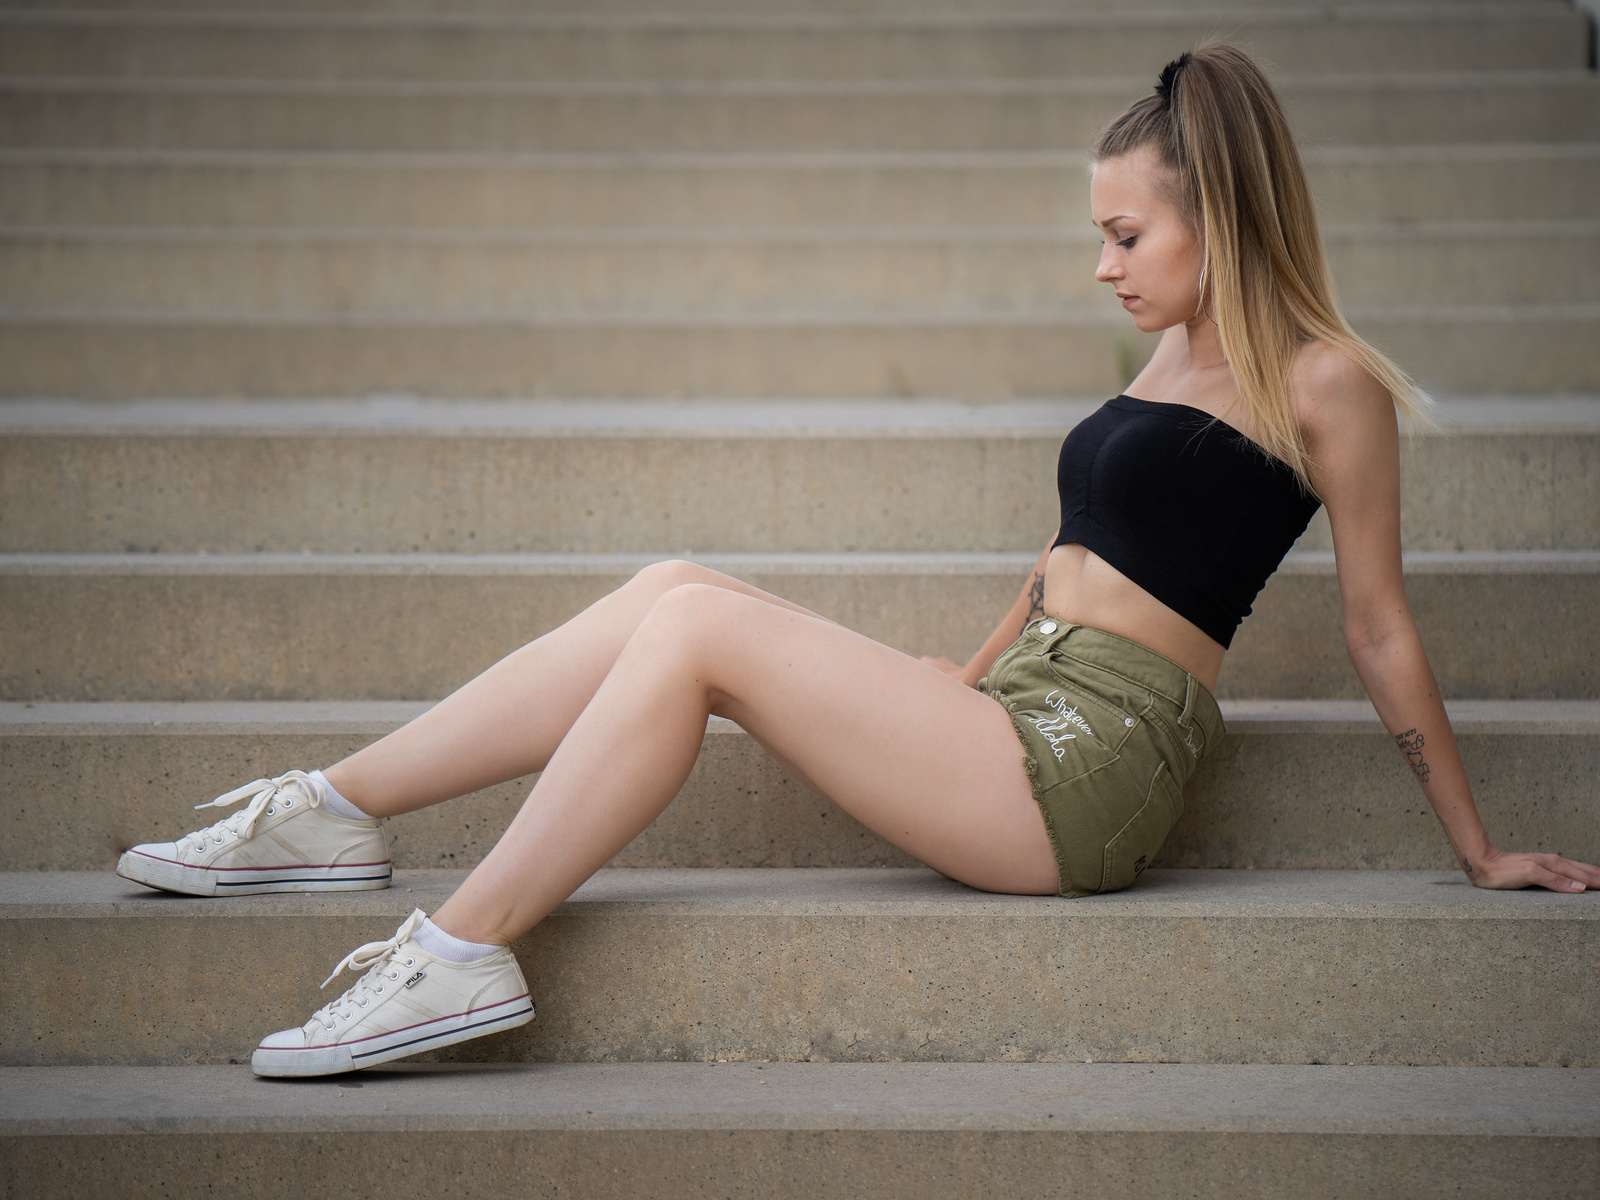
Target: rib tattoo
1035, 597
1411, 743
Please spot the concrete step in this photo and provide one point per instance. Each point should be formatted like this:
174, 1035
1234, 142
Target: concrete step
311, 627
568, 191
778, 46
891, 1131
653, 116
635, 9
968, 355
1504, 473
1370, 967
1295, 784
654, 274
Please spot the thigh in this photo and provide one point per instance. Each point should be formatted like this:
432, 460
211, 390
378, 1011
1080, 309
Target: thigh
926, 762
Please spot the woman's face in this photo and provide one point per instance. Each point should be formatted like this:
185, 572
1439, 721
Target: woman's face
1151, 255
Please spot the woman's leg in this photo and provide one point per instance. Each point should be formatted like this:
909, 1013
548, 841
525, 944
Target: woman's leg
928, 763
509, 720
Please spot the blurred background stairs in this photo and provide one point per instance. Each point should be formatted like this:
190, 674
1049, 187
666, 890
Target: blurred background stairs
345, 348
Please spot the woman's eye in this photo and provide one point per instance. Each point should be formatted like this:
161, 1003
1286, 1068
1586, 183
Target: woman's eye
1127, 243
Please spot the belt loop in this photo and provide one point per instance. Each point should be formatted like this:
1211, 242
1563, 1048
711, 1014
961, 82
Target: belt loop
1186, 720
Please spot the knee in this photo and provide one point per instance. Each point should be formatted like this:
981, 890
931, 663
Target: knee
691, 603
691, 616
659, 578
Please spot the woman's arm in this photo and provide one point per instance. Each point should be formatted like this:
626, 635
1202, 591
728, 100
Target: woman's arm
1353, 438
1030, 604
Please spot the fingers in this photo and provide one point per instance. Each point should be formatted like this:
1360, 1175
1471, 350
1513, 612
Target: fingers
1557, 873
1556, 882
1576, 872
1549, 871
1589, 874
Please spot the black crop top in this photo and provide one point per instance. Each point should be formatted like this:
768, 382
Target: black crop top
1182, 504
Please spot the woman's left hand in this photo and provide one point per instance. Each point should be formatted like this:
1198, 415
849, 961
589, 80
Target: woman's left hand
1502, 870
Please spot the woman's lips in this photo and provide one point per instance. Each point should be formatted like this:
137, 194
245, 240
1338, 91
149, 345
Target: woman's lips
1127, 300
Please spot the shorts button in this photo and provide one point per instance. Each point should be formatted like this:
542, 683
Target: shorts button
1047, 627
1127, 720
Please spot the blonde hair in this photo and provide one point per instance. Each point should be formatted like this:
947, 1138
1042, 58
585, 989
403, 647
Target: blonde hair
1216, 124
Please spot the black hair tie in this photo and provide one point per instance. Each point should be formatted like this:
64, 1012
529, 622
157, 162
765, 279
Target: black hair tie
1169, 76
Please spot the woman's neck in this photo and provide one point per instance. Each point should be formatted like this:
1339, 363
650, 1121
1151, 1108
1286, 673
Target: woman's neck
1202, 344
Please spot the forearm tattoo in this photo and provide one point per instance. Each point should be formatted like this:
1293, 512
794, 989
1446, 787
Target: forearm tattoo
1035, 597
1411, 743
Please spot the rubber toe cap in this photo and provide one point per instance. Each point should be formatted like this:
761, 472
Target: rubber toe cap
166, 851
284, 1039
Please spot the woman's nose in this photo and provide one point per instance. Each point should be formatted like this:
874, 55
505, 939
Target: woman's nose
1108, 269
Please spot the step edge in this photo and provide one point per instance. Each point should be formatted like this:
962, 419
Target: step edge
1311, 562
405, 416
24, 719
1163, 1097
845, 893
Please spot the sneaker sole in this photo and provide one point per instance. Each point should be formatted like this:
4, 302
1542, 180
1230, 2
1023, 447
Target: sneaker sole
168, 876
335, 1060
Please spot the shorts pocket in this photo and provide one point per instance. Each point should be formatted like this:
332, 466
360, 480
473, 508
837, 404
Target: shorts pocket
1130, 850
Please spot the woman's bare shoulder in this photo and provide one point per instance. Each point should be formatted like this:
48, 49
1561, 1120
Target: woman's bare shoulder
1333, 392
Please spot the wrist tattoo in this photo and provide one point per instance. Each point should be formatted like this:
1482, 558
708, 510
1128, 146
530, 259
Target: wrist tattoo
1411, 743
1035, 597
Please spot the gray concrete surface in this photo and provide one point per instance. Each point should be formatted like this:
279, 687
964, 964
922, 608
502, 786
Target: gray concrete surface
976, 113
457, 274
398, 475
144, 627
679, 8
669, 1165
911, 1131
1385, 967
1045, 1097
430, 190
781, 46
1294, 784
967, 355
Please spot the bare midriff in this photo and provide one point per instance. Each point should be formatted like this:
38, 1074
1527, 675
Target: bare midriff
1084, 589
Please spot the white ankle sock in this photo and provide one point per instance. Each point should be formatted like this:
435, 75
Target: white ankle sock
448, 947
335, 803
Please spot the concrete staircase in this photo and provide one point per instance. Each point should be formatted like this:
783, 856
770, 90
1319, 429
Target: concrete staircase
345, 349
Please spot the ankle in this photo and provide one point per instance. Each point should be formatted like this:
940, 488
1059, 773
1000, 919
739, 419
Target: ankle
336, 803
449, 947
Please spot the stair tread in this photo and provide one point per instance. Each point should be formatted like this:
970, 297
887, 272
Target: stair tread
1486, 1101
783, 892
1456, 415
87, 718
447, 160
1310, 562
801, 87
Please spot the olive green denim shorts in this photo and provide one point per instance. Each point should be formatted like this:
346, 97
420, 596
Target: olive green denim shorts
1111, 733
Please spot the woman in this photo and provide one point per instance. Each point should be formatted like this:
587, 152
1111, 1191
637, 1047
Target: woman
1179, 499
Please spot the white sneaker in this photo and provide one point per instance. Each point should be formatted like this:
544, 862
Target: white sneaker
407, 1002
282, 841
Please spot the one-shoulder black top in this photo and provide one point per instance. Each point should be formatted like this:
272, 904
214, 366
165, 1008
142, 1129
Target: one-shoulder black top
1181, 503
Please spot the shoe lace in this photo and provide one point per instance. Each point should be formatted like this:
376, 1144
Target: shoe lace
262, 793
379, 961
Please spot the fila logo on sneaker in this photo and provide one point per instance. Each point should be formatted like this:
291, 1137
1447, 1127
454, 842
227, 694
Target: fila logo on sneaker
414, 979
